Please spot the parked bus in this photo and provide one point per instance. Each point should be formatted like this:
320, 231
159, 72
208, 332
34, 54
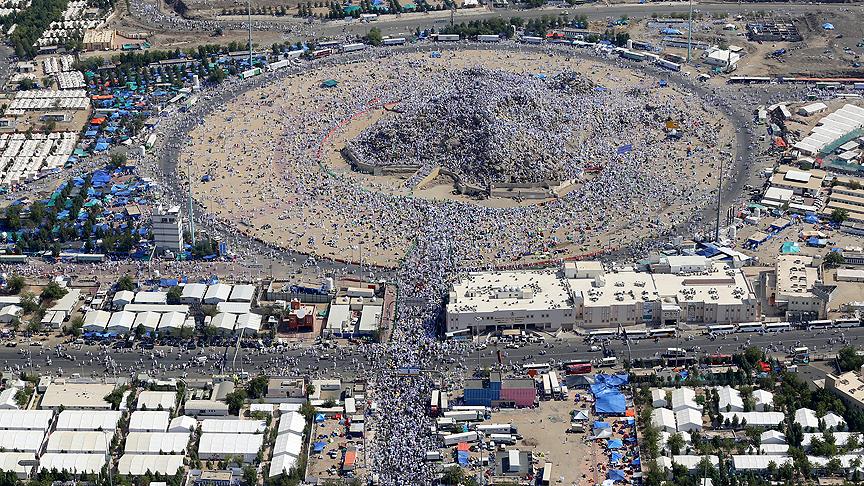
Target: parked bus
663, 332
675, 353
750, 327
777, 326
720, 329
635, 333
538, 367
847, 322
603, 333
433, 403
322, 53
578, 369
801, 355
547, 385
461, 335
610, 361
822, 324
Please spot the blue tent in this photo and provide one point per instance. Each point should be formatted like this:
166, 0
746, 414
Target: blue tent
319, 418
601, 425
811, 218
615, 457
611, 403
612, 380
636, 462
615, 444
616, 475
828, 26
318, 446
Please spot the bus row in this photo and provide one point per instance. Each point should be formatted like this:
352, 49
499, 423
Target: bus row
662, 332
782, 326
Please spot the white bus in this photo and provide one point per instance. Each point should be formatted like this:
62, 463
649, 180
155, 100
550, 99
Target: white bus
663, 332
603, 333
635, 333
610, 361
720, 329
847, 322
777, 326
547, 385
675, 352
553, 381
822, 324
750, 327
460, 335
536, 367
433, 403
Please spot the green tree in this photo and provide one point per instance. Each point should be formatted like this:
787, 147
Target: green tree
14, 284
29, 303
675, 443
76, 326
235, 400
118, 159
126, 283
834, 259
53, 291
848, 359
174, 295
257, 387
250, 475
839, 215
374, 36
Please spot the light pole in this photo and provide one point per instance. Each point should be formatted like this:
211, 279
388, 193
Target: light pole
689, 31
249, 17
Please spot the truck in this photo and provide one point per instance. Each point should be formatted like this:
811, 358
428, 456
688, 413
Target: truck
502, 439
447, 37
357, 46
668, 65
453, 439
496, 428
488, 38
275, 66
465, 415
394, 41
529, 39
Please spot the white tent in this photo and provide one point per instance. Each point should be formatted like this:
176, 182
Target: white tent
217, 293
149, 421
658, 398
74, 420
139, 464
806, 418
121, 322
689, 420
763, 400
684, 398
664, 419
96, 320
182, 423
73, 463
730, 400
772, 437
833, 421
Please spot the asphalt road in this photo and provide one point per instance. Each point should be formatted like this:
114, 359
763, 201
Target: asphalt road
350, 362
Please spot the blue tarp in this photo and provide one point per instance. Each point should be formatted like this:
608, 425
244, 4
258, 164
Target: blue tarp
462, 458
319, 418
828, 26
601, 425
168, 282
625, 148
318, 446
616, 475
636, 462
611, 403
612, 380
615, 457
615, 444
811, 218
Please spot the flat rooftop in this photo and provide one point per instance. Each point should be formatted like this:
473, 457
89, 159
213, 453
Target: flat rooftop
519, 290
795, 276
76, 396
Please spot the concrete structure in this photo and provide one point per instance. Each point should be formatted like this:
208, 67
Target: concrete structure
798, 181
850, 275
76, 396
585, 295
848, 386
795, 287
167, 227
98, 39
206, 408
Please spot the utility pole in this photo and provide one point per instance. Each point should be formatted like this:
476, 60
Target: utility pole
689, 32
719, 197
249, 16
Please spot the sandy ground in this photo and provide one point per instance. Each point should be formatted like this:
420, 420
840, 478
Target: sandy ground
255, 185
321, 465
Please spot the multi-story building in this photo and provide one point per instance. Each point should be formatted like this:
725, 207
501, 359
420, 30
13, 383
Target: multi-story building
795, 287
585, 295
167, 229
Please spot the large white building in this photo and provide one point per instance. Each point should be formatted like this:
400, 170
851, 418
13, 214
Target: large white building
586, 295
796, 288
167, 229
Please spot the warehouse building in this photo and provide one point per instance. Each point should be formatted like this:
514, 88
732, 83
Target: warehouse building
193, 293
140, 464
217, 293
26, 419
81, 420
800, 182
20, 463
206, 408
149, 421
498, 392
156, 400
79, 442
21, 440
223, 446
231, 426
157, 443
72, 463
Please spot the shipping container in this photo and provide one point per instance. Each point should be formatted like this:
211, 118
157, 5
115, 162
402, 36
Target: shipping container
453, 439
496, 428
465, 415
493, 38
394, 41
